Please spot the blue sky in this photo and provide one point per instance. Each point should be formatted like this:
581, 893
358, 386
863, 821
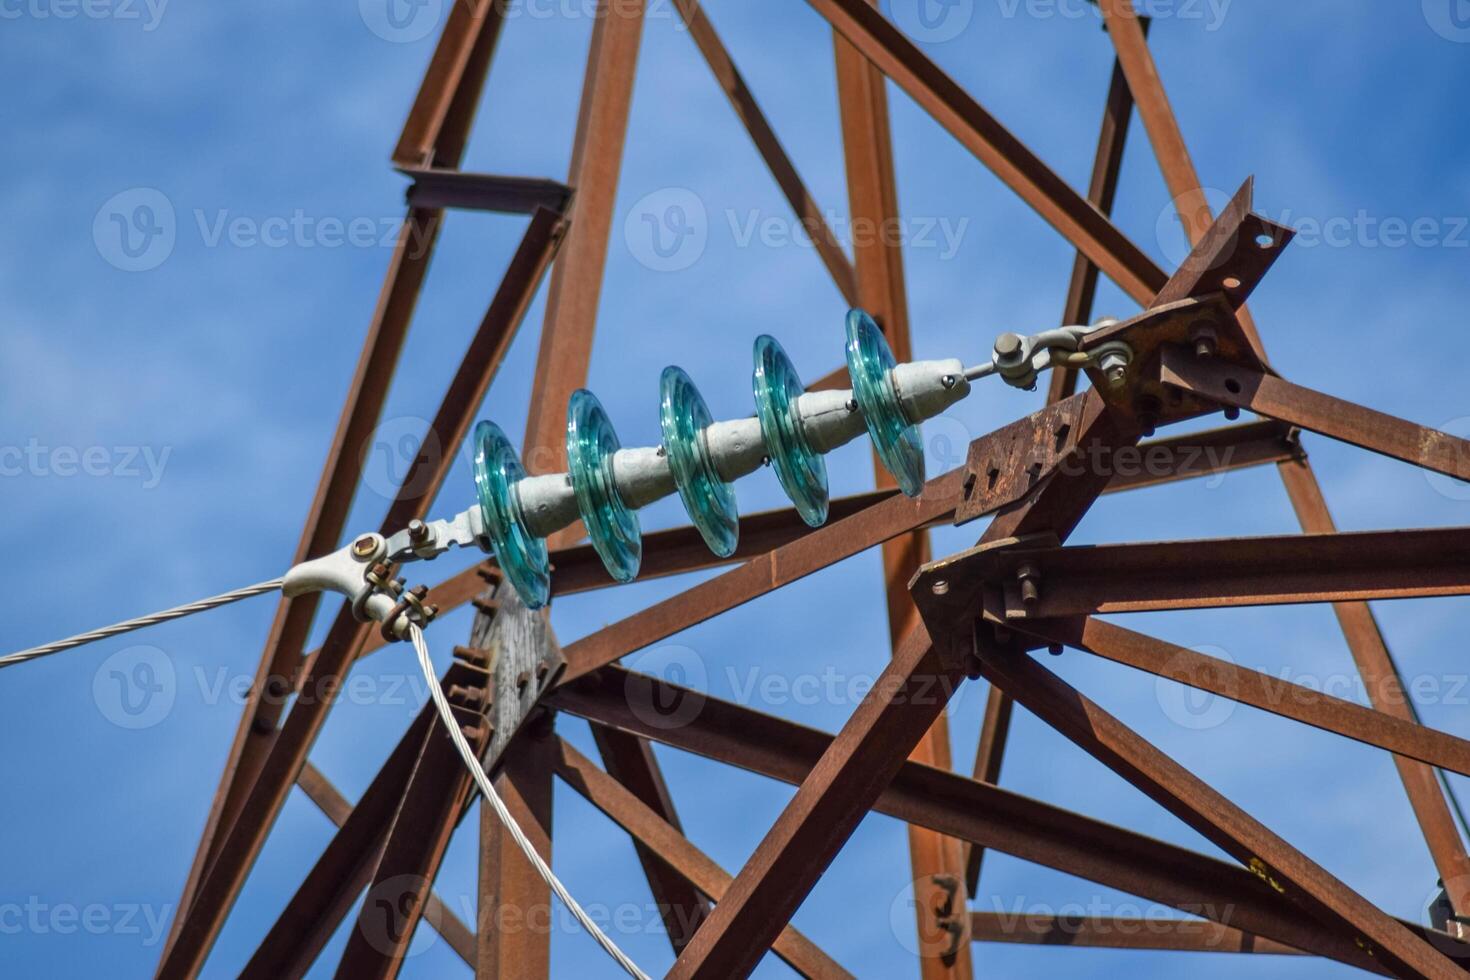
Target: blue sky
165, 427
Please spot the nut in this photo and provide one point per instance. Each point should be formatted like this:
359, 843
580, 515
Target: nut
1114, 368
1203, 335
1008, 345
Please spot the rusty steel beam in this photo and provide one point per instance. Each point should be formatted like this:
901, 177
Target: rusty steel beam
1077, 219
1365, 639
1346, 421
668, 845
507, 879
1382, 940
1119, 932
435, 132
980, 813
324, 525
832, 799
417, 839
514, 928
892, 718
1259, 690
1051, 583
870, 750
514, 903
829, 249
995, 730
1386, 693
437, 913
286, 751
1129, 37
630, 762
788, 563
937, 862
1107, 165
576, 281
436, 188
342, 871
438, 124
481, 361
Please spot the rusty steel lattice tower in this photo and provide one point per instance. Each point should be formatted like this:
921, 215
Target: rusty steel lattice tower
980, 613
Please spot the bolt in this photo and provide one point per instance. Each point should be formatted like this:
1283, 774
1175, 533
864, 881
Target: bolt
948, 381
1030, 578
1232, 413
364, 547
523, 678
1055, 649
1008, 346
418, 531
1203, 335
1146, 410
1114, 367
466, 696
472, 655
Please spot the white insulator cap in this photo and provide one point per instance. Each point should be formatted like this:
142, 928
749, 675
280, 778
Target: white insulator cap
829, 419
548, 503
736, 447
927, 388
643, 475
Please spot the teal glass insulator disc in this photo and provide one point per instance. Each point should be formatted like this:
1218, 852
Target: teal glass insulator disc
611, 525
870, 367
521, 555
709, 500
801, 469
